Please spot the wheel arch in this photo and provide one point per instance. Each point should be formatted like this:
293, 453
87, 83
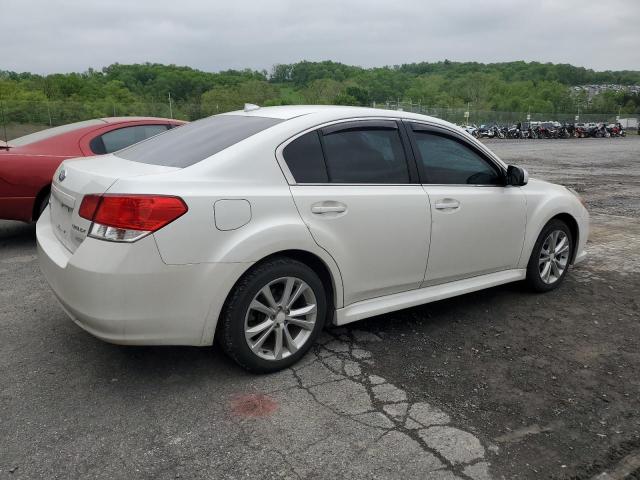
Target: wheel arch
531, 238
572, 223
42, 194
329, 275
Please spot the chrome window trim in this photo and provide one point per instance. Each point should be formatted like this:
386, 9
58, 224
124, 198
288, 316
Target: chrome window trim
462, 135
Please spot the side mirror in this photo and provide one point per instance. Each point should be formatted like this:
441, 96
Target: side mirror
517, 176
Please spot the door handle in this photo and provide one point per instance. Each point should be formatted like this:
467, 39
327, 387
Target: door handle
447, 204
327, 207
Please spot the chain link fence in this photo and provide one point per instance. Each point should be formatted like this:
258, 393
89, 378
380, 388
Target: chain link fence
21, 117
464, 116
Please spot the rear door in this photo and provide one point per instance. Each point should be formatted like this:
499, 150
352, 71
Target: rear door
477, 223
358, 194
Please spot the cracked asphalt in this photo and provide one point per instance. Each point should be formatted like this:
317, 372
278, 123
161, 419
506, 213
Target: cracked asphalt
496, 384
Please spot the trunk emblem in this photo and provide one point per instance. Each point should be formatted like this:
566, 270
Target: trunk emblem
62, 175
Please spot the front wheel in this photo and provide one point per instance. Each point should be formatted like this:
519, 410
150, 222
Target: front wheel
550, 257
273, 315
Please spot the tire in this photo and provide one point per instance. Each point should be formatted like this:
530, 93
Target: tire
42, 205
241, 322
547, 276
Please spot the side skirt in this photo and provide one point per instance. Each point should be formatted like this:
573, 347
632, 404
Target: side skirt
398, 301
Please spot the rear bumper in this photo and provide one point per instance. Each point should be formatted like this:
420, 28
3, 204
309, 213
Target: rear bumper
125, 293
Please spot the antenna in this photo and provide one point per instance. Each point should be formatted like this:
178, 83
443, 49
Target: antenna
249, 107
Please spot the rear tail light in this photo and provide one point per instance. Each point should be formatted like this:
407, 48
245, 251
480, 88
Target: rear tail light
127, 218
88, 206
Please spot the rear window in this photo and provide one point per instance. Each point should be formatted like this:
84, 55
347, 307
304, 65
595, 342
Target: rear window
52, 132
191, 143
120, 138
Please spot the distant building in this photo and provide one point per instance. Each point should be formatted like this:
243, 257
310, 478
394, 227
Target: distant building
592, 90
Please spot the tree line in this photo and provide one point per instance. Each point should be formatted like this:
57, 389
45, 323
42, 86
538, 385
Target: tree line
144, 89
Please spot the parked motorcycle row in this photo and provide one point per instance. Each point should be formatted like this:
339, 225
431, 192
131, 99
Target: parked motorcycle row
535, 130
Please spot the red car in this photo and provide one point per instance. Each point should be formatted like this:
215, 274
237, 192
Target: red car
27, 163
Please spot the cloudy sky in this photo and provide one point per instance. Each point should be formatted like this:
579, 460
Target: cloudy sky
47, 36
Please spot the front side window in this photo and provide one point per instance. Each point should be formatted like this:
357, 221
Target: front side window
365, 155
124, 137
445, 160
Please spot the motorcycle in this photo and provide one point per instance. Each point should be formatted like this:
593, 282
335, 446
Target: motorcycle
514, 132
485, 132
539, 132
471, 130
563, 132
600, 131
581, 131
616, 130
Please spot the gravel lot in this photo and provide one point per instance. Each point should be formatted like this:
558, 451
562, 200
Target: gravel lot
497, 384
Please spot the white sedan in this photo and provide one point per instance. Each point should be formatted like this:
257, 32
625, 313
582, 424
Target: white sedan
258, 227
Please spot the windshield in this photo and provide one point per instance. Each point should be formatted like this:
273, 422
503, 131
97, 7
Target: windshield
52, 132
191, 143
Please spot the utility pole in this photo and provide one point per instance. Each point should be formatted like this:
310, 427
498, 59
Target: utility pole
170, 107
4, 121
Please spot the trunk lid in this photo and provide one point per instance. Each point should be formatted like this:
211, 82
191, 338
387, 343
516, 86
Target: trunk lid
78, 177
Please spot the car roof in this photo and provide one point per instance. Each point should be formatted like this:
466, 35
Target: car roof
333, 112
138, 119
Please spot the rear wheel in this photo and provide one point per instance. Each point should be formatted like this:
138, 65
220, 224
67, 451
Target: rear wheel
550, 258
273, 316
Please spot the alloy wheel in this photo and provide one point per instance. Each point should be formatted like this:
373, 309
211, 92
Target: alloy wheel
280, 318
554, 256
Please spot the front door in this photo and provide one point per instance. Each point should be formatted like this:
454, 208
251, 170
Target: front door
477, 223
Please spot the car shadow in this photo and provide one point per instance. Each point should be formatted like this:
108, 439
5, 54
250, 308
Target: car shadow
443, 311
17, 234
180, 365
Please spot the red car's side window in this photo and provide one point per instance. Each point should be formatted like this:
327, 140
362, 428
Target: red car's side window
120, 138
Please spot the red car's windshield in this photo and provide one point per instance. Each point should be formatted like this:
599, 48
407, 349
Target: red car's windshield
51, 132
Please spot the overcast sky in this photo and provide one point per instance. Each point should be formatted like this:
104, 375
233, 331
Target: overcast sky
46, 36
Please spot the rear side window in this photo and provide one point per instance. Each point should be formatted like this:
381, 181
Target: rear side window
445, 160
123, 137
305, 160
193, 142
365, 155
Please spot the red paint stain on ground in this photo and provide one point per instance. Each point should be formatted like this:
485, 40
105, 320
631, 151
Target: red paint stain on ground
253, 405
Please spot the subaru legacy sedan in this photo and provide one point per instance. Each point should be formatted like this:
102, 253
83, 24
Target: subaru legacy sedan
258, 227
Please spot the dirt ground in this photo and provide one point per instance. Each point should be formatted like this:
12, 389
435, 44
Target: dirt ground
553, 380
502, 384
